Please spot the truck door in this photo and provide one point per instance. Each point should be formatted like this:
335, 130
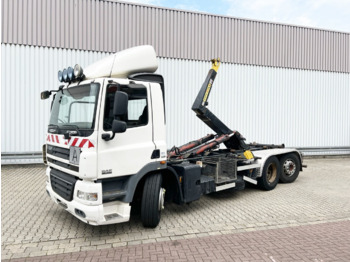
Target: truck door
128, 152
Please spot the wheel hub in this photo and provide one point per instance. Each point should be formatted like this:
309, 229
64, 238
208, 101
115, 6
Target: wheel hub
289, 167
271, 173
161, 199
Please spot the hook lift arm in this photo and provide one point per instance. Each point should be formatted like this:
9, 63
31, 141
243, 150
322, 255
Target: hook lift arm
231, 139
199, 106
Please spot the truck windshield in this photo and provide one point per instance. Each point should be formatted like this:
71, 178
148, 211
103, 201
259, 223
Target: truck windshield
75, 106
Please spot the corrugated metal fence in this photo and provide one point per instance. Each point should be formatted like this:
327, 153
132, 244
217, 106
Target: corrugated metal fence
108, 26
300, 108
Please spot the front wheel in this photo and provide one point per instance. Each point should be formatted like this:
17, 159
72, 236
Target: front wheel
290, 165
152, 201
270, 174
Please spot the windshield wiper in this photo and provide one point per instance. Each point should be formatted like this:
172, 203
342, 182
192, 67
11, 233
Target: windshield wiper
68, 133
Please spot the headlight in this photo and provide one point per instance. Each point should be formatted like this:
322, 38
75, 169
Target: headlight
65, 75
60, 76
87, 196
78, 71
70, 73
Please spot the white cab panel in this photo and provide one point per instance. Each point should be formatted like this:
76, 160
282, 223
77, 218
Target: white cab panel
128, 152
159, 131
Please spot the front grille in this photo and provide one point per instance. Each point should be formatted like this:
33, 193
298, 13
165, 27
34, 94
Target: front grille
62, 184
58, 151
61, 153
61, 164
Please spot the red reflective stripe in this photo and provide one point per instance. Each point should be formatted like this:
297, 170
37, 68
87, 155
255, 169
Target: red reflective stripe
57, 139
82, 143
52, 138
90, 144
48, 138
74, 141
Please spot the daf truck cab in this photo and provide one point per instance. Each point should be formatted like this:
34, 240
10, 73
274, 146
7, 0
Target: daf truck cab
106, 145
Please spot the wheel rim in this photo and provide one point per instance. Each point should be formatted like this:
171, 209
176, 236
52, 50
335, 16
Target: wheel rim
289, 167
161, 199
271, 173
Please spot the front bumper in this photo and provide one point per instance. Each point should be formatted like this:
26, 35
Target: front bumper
100, 214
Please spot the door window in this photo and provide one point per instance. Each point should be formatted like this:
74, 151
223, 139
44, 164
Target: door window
137, 114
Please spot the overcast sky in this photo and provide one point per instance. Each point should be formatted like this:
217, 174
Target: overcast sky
326, 14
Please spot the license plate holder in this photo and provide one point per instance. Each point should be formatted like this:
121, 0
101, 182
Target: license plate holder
74, 155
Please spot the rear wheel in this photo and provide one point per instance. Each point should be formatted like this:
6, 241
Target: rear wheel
270, 174
290, 167
152, 201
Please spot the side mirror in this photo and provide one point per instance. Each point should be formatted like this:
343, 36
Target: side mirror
120, 107
118, 126
45, 95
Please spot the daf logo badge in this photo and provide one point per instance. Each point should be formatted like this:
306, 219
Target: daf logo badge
72, 132
107, 171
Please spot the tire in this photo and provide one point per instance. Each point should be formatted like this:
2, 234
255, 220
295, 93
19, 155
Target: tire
290, 167
152, 201
270, 174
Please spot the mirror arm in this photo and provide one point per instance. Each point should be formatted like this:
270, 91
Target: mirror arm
108, 137
59, 89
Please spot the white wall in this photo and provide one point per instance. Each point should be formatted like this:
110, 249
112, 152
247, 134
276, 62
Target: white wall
269, 105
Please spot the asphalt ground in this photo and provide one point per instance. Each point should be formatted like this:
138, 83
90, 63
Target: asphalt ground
306, 220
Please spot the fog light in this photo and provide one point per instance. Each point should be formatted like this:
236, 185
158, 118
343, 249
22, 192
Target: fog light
80, 213
87, 196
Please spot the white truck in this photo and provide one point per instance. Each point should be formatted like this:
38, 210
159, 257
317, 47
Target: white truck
106, 147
